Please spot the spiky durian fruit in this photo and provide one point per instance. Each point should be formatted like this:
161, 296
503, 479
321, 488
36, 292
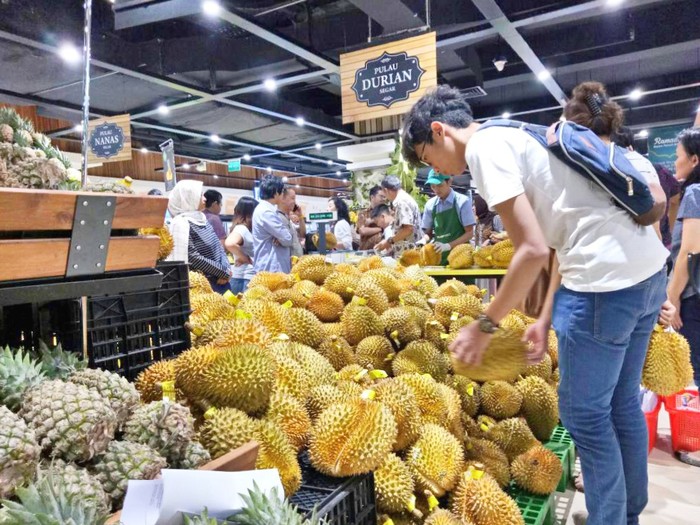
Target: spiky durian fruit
149, 382
401, 400
333, 329
373, 296
504, 359
292, 417
313, 268
436, 460
206, 334
385, 279
429, 256
513, 435
290, 377
226, 429
189, 367
453, 403
667, 369
500, 399
303, 327
277, 452
421, 281
469, 392
123, 461
355, 374
352, 438
19, 452
421, 357
376, 352
240, 377
322, 396
348, 269
164, 426
269, 313
165, 240
458, 324
257, 293
243, 331
342, 284
338, 352
513, 323
410, 257
18, 373
298, 299
431, 402
483, 257
370, 263
479, 499
414, 298
443, 517
502, 253
394, 486
554, 380
401, 325
540, 406
122, 395
81, 422
272, 280
542, 369
190, 457
447, 309
331, 240
360, 322
461, 256
208, 307
490, 455
316, 368
538, 470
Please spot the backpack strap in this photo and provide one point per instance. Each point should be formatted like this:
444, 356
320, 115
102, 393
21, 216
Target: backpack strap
539, 133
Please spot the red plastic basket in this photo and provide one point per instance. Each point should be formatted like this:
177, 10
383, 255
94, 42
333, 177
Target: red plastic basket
653, 424
685, 420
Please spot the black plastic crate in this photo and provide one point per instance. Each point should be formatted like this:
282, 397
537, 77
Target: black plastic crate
341, 501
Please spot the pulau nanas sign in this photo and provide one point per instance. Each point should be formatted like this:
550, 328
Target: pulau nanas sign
388, 79
109, 139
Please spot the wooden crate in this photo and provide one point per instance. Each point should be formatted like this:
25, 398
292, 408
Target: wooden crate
238, 460
51, 213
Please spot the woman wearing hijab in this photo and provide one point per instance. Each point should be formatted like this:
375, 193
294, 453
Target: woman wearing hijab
487, 222
195, 241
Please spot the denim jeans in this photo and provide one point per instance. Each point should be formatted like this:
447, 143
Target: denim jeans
219, 288
603, 340
690, 315
239, 285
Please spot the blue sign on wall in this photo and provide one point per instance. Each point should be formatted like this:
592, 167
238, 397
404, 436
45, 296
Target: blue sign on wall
387, 79
106, 140
662, 144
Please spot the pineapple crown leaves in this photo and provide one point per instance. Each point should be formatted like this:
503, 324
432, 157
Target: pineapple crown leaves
57, 363
201, 519
18, 373
263, 508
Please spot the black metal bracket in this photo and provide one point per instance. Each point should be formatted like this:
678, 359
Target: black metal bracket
92, 226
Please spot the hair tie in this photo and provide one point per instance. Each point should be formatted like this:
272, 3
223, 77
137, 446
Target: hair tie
594, 103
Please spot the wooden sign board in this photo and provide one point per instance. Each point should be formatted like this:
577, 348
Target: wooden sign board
109, 139
387, 79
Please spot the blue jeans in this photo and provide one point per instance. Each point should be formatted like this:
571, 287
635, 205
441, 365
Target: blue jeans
239, 285
603, 340
690, 315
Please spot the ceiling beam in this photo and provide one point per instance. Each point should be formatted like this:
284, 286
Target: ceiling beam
500, 22
392, 15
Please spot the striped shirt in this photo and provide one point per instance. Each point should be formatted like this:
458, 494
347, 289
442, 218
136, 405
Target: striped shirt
204, 251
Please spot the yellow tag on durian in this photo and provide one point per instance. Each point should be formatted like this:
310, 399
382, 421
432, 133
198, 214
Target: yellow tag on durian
378, 374
231, 298
368, 395
295, 259
296, 277
168, 388
390, 357
361, 301
198, 331
470, 390
240, 314
395, 337
432, 502
444, 335
388, 521
282, 337
454, 316
211, 411
287, 304
411, 503
362, 373
484, 427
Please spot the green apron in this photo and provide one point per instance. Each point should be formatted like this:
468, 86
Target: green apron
447, 227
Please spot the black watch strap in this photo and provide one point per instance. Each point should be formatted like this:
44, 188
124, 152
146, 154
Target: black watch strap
486, 324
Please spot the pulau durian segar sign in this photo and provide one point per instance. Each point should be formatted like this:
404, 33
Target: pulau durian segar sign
109, 139
388, 79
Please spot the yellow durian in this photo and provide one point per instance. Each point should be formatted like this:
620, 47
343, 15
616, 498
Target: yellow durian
540, 406
303, 327
538, 470
275, 451
421, 357
401, 325
313, 268
479, 499
410, 257
292, 417
667, 369
500, 400
429, 256
483, 257
338, 352
199, 284
165, 240
226, 429
493, 460
325, 305
502, 253
359, 322
469, 392
513, 435
376, 352
400, 399
316, 368
370, 263
436, 460
190, 367
448, 309
504, 360
273, 281
394, 486
461, 256
342, 284
150, 381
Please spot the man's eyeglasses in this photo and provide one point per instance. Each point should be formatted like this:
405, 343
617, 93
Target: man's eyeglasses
422, 151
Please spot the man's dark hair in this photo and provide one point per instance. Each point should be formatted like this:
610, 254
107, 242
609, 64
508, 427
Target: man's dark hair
374, 191
270, 187
212, 197
380, 210
690, 142
155, 191
391, 182
442, 104
623, 137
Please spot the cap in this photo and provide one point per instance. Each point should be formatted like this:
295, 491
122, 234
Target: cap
435, 178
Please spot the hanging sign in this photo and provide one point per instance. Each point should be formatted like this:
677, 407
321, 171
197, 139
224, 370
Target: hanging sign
662, 144
109, 139
234, 165
387, 79
169, 174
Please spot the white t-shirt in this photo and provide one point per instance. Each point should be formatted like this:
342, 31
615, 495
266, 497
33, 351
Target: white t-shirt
244, 271
343, 233
599, 247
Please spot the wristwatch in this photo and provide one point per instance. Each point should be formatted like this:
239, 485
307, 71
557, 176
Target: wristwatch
486, 324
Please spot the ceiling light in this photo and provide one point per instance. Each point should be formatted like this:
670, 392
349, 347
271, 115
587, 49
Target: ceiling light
297, 186
644, 133
246, 157
544, 75
270, 84
300, 121
163, 109
635, 94
318, 145
345, 181
269, 169
505, 115
69, 53
211, 8
285, 179
500, 62
185, 166
144, 150
329, 162
216, 176
615, 3
215, 138
337, 173
78, 128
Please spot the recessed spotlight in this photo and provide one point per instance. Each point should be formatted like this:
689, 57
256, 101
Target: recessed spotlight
246, 157
337, 173
216, 176
544, 75
215, 138
297, 186
345, 181
78, 128
318, 146
300, 121
268, 169
270, 84
505, 115
185, 166
163, 109
329, 162
636, 94
500, 63
644, 133
144, 150
211, 8
69, 53
285, 179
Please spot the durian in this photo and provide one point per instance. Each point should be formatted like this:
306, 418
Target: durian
436, 460
292, 417
149, 382
500, 400
421, 357
513, 435
479, 499
401, 400
326, 305
226, 429
538, 470
277, 452
667, 369
488, 454
375, 351
360, 322
540, 406
504, 359
394, 486
461, 256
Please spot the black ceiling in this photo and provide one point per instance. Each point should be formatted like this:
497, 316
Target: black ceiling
209, 70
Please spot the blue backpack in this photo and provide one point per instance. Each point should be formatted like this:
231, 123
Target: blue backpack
606, 165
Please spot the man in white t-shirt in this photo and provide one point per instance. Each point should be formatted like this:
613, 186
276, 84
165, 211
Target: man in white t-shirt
608, 277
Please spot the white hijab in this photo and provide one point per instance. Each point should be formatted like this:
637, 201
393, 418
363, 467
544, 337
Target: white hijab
185, 200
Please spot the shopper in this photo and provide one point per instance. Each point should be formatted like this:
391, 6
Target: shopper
383, 216
608, 272
272, 239
240, 244
342, 229
194, 239
212, 210
299, 223
448, 218
407, 218
488, 223
285, 208
686, 240
370, 233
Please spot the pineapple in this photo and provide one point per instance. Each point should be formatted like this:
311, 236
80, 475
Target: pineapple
6, 133
59, 364
192, 456
201, 519
18, 372
123, 461
71, 421
121, 394
51, 500
19, 453
78, 483
261, 508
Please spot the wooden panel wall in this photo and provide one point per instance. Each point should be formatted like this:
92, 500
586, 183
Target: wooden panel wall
123, 122
423, 47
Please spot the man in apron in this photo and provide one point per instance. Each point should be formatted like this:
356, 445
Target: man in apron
448, 217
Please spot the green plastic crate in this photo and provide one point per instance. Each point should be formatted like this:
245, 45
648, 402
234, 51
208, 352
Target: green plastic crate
536, 510
561, 435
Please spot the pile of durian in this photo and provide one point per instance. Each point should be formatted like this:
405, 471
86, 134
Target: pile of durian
463, 256
71, 438
352, 364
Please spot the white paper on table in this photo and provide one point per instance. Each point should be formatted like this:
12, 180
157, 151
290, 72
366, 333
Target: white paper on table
142, 502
